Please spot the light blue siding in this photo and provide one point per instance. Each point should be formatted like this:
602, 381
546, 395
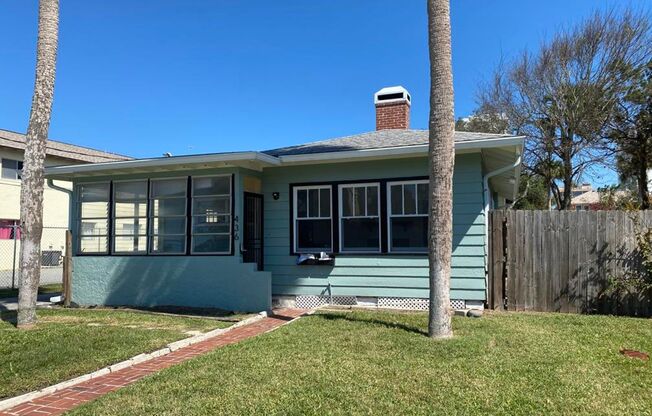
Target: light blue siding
381, 274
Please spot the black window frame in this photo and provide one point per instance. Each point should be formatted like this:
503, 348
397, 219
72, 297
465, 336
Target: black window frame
335, 209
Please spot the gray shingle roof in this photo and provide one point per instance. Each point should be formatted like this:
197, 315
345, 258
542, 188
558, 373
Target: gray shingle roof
15, 140
375, 140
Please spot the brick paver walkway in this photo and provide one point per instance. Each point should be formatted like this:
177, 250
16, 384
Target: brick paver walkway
65, 399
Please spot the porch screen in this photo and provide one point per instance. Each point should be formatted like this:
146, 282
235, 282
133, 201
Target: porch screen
211, 214
408, 216
167, 198
93, 214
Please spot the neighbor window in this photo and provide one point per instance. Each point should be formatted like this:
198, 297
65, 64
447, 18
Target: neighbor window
93, 217
130, 216
360, 218
408, 216
9, 230
167, 198
312, 219
211, 214
11, 169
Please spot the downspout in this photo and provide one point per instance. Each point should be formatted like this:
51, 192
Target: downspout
69, 192
487, 207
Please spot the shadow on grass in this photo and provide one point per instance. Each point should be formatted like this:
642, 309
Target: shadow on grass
8, 316
373, 321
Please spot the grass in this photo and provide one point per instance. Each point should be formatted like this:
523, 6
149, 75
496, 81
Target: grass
70, 342
381, 363
42, 290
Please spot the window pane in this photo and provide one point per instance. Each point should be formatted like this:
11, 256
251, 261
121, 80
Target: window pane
409, 199
130, 244
174, 206
211, 205
396, 192
168, 244
372, 200
359, 199
169, 187
130, 190
94, 244
130, 209
130, 226
313, 203
302, 203
409, 234
10, 169
94, 227
220, 185
94, 192
207, 224
422, 198
325, 202
172, 225
360, 234
313, 235
347, 202
211, 243
94, 209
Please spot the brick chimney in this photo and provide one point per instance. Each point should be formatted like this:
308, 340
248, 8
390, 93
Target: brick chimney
392, 108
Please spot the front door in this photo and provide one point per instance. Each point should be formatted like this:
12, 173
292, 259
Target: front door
252, 235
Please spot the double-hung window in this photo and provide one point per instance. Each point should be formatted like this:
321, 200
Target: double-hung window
313, 223
130, 216
408, 216
211, 214
360, 218
93, 217
167, 198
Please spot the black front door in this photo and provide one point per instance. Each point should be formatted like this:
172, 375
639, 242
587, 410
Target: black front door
252, 235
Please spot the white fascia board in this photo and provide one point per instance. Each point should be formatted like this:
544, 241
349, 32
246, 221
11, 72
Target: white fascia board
402, 151
191, 160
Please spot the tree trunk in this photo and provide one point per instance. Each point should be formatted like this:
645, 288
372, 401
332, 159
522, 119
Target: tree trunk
31, 192
441, 162
643, 193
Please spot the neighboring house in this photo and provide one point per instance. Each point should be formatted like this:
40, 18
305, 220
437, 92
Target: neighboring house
55, 203
584, 198
341, 220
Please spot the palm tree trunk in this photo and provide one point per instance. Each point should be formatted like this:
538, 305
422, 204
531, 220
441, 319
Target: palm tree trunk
31, 193
442, 159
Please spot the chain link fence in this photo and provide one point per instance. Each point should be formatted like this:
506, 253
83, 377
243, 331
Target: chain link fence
53, 247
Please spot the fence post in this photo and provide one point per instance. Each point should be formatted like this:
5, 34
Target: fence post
67, 270
13, 262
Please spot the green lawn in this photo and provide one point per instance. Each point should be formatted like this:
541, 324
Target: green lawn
381, 363
67, 343
45, 289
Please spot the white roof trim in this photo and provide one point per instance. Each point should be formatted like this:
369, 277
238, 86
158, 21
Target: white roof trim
265, 160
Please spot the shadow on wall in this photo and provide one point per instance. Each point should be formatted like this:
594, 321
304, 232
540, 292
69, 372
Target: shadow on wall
190, 281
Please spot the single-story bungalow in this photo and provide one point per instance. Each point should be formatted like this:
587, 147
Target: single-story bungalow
339, 221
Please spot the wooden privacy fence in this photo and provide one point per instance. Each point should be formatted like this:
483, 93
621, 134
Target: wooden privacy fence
562, 261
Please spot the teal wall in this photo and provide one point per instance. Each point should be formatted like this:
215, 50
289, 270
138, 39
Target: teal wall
381, 274
201, 281
197, 281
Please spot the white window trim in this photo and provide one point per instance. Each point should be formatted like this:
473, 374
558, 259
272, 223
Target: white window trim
79, 220
390, 215
341, 215
114, 217
192, 216
151, 216
295, 217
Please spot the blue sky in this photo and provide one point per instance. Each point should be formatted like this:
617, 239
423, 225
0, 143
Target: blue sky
194, 76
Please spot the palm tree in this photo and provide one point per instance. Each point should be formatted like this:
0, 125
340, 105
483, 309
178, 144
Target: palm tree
442, 159
31, 193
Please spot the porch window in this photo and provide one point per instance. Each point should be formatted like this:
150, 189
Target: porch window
168, 215
408, 216
211, 214
130, 216
360, 218
94, 217
313, 226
